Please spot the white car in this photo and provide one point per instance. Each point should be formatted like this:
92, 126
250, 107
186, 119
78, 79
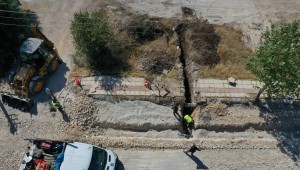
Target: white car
59, 155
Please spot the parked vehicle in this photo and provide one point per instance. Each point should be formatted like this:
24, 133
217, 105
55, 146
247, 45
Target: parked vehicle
44, 154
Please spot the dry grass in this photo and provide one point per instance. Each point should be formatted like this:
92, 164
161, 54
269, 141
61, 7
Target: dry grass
81, 71
222, 71
233, 53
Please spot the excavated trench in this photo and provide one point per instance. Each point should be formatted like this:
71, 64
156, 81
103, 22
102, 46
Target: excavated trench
186, 81
187, 77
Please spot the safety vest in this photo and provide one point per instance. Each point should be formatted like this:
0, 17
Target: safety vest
188, 119
55, 105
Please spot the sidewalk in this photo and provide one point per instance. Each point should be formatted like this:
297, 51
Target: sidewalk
211, 88
135, 87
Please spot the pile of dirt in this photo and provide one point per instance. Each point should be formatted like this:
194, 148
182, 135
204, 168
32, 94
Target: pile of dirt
156, 62
82, 113
199, 44
144, 29
203, 116
218, 108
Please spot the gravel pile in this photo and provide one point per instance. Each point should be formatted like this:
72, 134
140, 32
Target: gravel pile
82, 113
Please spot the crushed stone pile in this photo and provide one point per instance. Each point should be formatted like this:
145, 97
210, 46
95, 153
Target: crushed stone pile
82, 113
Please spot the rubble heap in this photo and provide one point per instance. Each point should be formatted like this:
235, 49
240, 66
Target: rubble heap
82, 114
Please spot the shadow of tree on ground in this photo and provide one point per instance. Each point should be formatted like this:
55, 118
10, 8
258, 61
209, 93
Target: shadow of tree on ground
283, 122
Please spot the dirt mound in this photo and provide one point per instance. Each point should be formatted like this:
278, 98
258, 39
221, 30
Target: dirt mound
156, 62
144, 29
218, 108
199, 42
210, 112
82, 114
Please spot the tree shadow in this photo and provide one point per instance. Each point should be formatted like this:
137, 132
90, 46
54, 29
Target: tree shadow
11, 35
110, 84
199, 163
283, 122
11, 121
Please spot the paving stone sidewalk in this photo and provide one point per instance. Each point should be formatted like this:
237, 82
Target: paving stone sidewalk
202, 88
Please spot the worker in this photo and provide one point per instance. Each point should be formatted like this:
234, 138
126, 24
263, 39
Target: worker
175, 111
55, 104
188, 120
49, 93
193, 149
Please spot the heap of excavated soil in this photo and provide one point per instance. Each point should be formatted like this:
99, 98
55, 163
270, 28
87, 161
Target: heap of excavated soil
199, 42
218, 116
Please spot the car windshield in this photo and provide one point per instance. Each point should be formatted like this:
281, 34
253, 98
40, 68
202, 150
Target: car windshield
99, 158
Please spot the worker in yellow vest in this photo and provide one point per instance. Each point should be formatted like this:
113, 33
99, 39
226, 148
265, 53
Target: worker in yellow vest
56, 105
189, 122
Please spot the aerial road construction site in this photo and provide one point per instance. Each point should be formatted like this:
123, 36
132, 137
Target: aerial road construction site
51, 108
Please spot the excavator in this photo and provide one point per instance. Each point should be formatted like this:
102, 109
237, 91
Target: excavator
38, 58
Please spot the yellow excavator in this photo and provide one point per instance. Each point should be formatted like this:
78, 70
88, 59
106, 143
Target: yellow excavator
38, 58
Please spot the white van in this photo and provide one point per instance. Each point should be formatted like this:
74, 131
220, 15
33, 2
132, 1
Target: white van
60, 155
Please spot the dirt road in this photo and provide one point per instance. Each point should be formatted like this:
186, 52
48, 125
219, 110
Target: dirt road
205, 159
251, 15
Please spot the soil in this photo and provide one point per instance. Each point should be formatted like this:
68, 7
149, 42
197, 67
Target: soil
139, 124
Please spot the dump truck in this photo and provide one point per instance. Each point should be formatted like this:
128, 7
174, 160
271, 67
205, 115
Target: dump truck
44, 154
38, 58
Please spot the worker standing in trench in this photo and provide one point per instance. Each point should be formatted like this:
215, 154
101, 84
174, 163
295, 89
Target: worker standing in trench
187, 124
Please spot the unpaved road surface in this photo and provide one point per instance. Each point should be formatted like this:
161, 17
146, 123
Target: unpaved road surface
221, 150
205, 159
252, 16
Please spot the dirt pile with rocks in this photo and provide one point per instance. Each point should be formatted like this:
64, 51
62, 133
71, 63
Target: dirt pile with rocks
203, 115
82, 113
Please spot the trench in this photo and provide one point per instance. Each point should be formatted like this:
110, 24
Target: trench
182, 59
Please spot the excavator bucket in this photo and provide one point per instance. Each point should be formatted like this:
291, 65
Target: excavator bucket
17, 102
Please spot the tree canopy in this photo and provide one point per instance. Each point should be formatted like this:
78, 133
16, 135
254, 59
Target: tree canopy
94, 40
277, 61
13, 22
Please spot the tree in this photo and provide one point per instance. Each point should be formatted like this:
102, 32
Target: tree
94, 39
13, 22
277, 61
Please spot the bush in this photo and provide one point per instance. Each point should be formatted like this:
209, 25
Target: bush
9, 34
95, 42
